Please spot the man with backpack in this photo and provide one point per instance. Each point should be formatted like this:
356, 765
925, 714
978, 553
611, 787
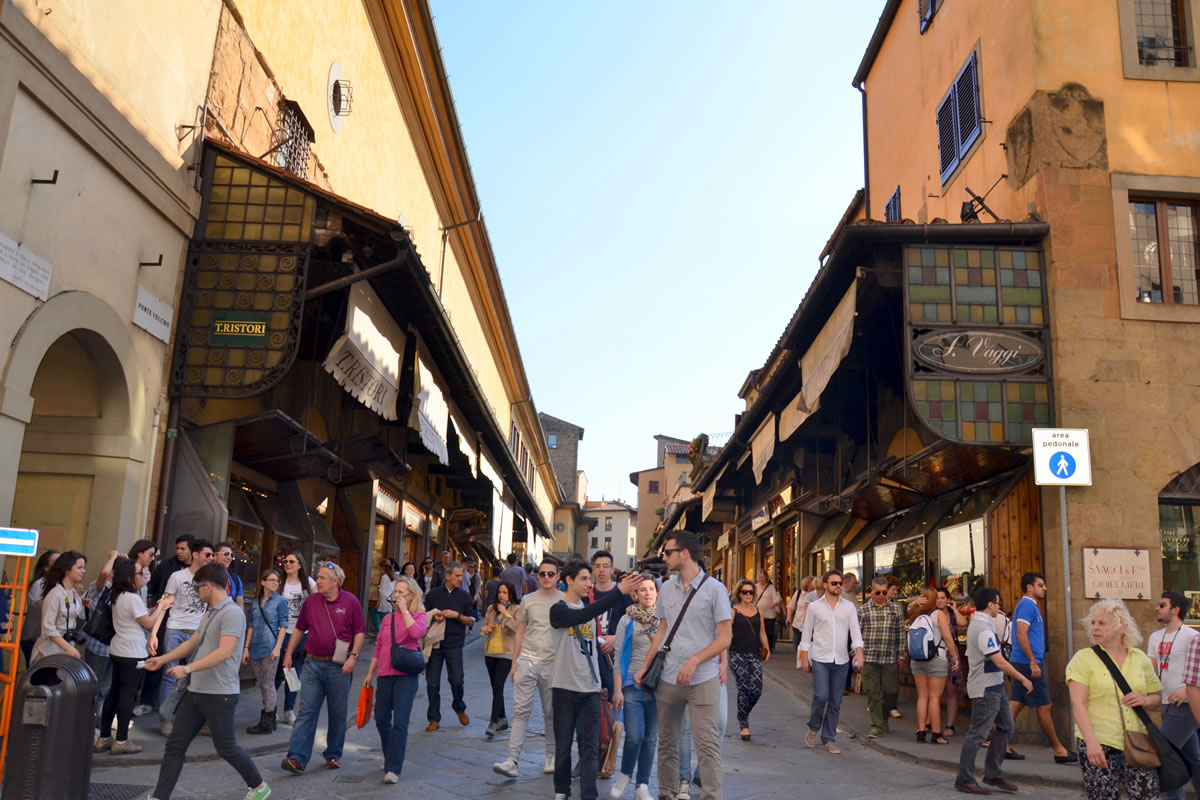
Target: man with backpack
883, 646
827, 625
989, 705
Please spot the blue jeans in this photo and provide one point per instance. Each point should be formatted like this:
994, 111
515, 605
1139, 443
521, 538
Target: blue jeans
452, 657
1180, 728
394, 697
829, 681
170, 640
321, 681
641, 733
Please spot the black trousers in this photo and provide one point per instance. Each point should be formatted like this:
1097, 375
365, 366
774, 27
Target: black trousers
576, 715
452, 657
498, 669
195, 711
772, 632
121, 697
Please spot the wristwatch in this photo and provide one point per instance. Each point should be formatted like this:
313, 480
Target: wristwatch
187, 669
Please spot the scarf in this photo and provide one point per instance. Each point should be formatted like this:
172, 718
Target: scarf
647, 616
649, 620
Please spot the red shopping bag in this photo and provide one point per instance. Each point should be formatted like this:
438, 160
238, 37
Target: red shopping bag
366, 700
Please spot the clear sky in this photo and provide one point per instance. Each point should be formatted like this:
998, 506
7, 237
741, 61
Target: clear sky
658, 179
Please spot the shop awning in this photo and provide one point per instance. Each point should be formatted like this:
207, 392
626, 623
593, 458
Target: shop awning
322, 536
371, 459
281, 512
829, 532
430, 413
762, 446
240, 510
279, 447
365, 360
820, 361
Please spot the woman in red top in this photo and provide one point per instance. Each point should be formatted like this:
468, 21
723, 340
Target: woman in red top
396, 692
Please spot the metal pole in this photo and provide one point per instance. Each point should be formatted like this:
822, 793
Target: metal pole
1066, 582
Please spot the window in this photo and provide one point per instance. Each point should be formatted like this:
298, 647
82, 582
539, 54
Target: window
1179, 527
514, 437
632, 545
292, 139
891, 212
925, 11
681, 458
652, 487
524, 460
594, 540
552, 441
962, 558
608, 523
608, 543
958, 119
1161, 33
1174, 268
905, 560
632, 564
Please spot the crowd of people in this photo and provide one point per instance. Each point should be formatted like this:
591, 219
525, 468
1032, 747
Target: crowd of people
657, 650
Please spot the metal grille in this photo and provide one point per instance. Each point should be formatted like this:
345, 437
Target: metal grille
348, 779
117, 791
1161, 39
292, 139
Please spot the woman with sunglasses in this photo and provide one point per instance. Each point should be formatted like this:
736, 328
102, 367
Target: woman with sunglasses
397, 690
265, 635
425, 579
296, 586
748, 650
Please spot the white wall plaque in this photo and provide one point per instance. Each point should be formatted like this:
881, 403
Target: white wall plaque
1116, 572
24, 269
153, 315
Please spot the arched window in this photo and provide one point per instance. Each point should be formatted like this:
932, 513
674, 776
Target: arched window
1179, 526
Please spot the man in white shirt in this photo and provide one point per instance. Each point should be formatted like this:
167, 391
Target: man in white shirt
532, 667
830, 621
186, 614
1167, 647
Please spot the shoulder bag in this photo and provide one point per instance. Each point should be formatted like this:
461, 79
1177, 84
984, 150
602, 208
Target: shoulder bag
341, 648
1151, 749
654, 671
410, 662
99, 623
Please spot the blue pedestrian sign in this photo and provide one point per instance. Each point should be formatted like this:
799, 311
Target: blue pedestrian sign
18, 542
1062, 465
1061, 457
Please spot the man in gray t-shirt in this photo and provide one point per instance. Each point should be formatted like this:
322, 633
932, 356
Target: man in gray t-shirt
575, 679
212, 690
989, 704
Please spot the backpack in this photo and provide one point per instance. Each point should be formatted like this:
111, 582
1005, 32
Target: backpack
99, 624
921, 646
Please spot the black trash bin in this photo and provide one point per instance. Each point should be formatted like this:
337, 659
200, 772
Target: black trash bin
50, 734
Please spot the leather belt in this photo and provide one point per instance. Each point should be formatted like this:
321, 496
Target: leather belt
320, 658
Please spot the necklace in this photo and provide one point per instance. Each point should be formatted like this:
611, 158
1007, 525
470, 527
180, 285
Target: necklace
1164, 652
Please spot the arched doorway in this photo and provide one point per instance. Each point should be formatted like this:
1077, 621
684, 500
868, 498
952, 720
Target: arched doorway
1179, 527
73, 407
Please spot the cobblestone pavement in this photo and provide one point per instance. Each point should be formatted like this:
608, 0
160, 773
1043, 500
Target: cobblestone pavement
455, 762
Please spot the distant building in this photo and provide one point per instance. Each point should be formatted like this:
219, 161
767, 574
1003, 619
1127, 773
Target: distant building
615, 532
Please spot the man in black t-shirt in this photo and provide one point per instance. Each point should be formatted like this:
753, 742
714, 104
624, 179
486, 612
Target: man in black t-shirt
449, 602
602, 575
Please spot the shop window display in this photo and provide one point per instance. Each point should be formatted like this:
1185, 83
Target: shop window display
1178, 527
962, 554
904, 559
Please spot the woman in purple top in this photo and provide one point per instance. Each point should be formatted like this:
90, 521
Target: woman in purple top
396, 692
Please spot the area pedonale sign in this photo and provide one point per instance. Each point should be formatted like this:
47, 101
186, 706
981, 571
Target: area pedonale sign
977, 351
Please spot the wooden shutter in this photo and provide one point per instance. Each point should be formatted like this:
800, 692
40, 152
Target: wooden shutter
966, 91
891, 212
947, 125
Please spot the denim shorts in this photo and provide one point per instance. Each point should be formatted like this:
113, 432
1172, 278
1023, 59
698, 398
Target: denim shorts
1040, 696
936, 667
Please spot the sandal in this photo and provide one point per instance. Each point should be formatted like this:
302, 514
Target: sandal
921, 736
948, 732
745, 734
939, 739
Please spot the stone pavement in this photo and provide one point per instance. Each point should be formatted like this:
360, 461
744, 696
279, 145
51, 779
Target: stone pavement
455, 762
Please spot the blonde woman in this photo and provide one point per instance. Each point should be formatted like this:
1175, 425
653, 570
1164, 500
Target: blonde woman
769, 604
1102, 715
396, 691
796, 609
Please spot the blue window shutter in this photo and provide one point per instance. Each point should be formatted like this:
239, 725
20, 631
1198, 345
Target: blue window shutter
966, 91
924, 13
891, 212
947, 125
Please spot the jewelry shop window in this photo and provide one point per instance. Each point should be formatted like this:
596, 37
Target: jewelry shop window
904, 559
962, 558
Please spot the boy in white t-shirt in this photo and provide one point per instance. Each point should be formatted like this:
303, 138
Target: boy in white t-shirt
1167, 647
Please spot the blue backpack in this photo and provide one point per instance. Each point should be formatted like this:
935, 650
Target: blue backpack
921, 646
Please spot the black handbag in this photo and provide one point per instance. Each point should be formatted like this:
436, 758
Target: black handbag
99, 624
410, 662
654, 671
1174, 771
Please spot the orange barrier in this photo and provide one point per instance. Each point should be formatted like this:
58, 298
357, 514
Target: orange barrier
10, 645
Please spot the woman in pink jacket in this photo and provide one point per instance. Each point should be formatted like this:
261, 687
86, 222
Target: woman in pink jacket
396, 691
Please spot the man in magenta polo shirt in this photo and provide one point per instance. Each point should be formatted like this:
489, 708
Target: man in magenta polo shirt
333, 620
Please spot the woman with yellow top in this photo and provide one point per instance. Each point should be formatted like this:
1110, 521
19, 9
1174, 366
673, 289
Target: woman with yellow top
499, 631
1099, 706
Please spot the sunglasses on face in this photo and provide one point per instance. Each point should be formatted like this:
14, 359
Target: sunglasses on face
746, 591
291, 561
669, 550
835, 583
547, 574
879, 591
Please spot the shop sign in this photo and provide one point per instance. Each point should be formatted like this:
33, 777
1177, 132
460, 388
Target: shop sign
153, 315
723, 541
238, 328
977, 352
387, 505
358, 374
24, 268
1116, 572
760, 518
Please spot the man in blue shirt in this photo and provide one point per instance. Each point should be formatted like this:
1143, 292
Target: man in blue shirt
451, 603
1029, 657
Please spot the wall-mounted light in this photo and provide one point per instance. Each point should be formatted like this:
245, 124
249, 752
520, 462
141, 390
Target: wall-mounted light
339, 97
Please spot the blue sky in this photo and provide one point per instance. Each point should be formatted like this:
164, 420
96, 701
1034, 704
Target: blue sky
657, 179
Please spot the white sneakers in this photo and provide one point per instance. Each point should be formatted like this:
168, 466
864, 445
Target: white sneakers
812, 739
619, 785
548, 767
642, 792
685, 790
507, 768
391, 777
288, 717
560, 797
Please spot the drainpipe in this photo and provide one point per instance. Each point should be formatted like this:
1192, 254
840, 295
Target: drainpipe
866, 154
165, 482
145, 512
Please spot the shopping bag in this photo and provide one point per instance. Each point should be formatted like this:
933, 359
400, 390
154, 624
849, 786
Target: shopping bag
610, 751
366, 699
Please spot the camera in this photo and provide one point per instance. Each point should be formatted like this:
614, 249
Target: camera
75, 636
